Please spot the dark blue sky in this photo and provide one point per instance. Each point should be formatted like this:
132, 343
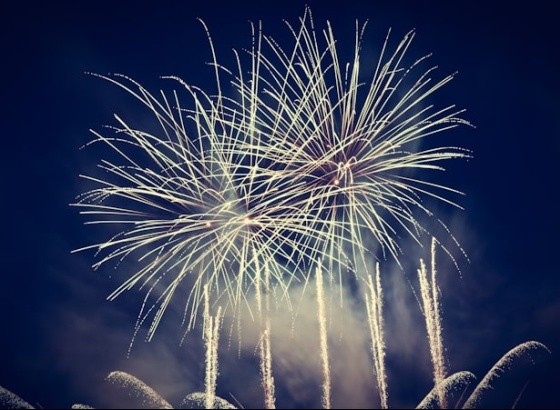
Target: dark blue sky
60, 337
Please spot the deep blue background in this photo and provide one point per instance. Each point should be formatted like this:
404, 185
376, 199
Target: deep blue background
508, 63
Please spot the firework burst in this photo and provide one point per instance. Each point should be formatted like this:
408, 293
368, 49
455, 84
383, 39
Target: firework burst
194, 214
352, 143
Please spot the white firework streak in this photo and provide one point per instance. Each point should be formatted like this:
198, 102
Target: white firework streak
351, 145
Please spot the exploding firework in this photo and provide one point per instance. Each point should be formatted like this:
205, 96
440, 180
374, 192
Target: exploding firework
352, 143
194, 213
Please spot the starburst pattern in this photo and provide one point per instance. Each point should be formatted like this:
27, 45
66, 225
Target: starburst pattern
352, 143
302, 163
196, 213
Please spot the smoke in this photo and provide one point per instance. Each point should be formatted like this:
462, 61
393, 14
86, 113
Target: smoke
296, 357
89, 337
89, 342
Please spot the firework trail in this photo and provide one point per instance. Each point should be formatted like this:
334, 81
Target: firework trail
10, 400
430, 302
375, 320
211, 334
457, 382
321, 314
499, 368
149, 397
265, 348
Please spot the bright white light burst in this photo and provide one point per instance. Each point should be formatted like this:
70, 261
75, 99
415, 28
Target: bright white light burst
302, 164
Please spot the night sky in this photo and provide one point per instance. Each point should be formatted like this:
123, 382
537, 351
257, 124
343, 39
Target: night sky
61, 337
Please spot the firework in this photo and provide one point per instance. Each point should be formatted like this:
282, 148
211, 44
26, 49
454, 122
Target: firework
193, 213
321, 316
352, 144
304, 165
374, 307
431, 309
499, 368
